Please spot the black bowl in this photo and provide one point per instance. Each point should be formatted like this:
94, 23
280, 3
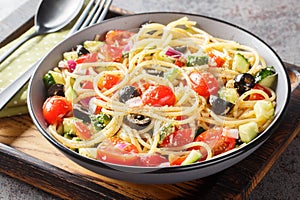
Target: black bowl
218, 28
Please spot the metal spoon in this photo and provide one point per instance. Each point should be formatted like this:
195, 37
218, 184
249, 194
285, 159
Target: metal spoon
51, 16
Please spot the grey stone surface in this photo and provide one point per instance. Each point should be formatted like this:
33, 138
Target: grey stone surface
278, 24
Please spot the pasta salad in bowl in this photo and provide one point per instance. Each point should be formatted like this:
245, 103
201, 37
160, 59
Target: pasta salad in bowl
159, 97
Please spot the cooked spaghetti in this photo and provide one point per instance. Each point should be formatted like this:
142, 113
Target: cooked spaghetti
164, 95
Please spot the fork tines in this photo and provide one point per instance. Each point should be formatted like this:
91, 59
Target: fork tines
94, 12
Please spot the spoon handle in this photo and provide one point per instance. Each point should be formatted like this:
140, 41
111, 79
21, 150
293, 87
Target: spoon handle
15, 46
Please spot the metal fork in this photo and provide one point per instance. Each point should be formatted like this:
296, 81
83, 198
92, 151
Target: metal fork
94, 12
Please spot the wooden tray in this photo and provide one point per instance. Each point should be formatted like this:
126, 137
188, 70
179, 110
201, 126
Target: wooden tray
26, 155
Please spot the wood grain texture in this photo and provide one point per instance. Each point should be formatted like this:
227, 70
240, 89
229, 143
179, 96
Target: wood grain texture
26, 155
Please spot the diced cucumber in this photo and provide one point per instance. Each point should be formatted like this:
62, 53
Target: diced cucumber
248, 131
240, 63
269, 81
264, 110
193, 156
166, 130
92, 46
229, 94
197, 60
88, 152
71, 55
172, 74
70, 94
53, 77
58, 77
69, 125
266, 77
48, 80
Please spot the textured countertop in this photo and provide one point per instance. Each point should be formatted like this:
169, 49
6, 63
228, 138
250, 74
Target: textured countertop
275, 22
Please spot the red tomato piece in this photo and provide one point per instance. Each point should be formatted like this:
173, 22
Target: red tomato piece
94, 108
159, 95
151, 160
55, 108
204, 83
178, 138
117, 151
178, 160
82, 130
179, 62
216, 140
88, 58
256, 96
109, 81
217, 61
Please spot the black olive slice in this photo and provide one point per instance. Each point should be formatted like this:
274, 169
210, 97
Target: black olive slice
81, 50
56, 90
137, 121
220, 106
244, 82
128, 92
154, 72
81, 113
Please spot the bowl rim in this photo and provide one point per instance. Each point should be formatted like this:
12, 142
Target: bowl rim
157, 170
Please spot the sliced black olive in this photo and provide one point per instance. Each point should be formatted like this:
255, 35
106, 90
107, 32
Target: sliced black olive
128, 92
220, 106
81, 50
199, 130
244, 82
56, 90
137, 121
81, 113
154, 72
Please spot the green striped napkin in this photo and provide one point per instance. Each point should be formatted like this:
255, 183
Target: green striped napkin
20, 61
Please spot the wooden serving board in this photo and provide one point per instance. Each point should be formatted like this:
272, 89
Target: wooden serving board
26, 155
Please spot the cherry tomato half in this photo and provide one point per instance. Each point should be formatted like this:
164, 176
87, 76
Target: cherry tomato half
256, 96
217, 142
109, 81
55, 108
159, 95
91, 57
117, 151
204, 83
